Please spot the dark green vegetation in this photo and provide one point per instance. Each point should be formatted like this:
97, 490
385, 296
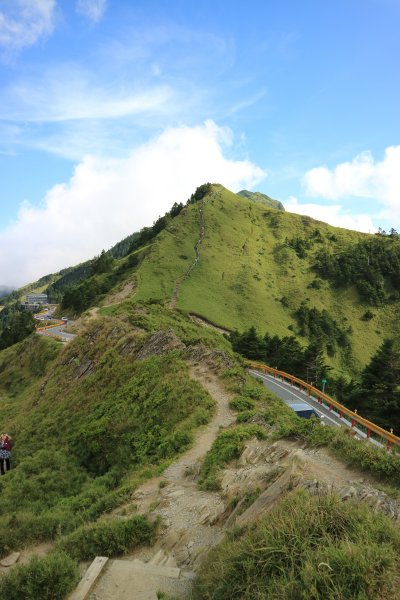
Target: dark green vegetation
285, 354
376, 392
309, 547
372, 265
15, 325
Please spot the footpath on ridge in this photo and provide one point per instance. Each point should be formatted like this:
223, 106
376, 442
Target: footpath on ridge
181, 278
188, 516
193, 521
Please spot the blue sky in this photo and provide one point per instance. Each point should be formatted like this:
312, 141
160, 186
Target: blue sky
111, 110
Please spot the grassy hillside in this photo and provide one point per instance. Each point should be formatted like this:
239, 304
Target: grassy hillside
93, 419
257, 266
90, 419
253, 270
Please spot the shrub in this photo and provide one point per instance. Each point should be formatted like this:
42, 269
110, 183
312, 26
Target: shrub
49, 578
367, 316
241, 403
107, 538
245, 416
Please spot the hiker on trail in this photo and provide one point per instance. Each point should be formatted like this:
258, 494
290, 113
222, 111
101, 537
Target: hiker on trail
5, 453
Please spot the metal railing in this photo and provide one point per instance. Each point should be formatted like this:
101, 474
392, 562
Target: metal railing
323, 398
57, 323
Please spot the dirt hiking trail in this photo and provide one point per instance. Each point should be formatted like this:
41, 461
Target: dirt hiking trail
193, 521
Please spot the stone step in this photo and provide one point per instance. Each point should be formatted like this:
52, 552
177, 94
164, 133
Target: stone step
137, 580
154, 569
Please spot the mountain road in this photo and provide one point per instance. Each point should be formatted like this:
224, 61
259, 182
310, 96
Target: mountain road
292, 395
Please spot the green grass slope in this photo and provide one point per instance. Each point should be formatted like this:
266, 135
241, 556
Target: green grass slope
249, 274
89, 420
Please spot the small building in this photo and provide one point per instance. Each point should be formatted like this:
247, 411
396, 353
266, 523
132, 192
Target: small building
35, 299
35, 302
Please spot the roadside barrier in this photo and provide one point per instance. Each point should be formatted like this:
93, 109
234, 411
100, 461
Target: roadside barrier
332, 404
55, 324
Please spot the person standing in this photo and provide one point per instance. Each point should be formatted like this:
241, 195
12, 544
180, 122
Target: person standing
5, 453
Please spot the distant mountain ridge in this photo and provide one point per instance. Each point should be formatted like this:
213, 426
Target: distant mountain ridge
262, 199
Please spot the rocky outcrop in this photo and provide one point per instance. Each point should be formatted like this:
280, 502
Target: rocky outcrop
84, 369
358, 491
160, 343
216, 359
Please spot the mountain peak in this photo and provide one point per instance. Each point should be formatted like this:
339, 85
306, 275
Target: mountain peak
262, 199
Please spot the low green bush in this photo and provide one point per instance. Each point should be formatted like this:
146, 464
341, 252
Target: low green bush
49, 578
107, 538
308, 548
245, 416
227, 446
241, 403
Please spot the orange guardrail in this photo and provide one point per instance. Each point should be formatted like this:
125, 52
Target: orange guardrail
321, 397
56, 324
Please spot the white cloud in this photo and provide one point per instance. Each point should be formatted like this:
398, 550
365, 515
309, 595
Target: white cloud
24, 22
107, 199
334, 215
91, 9
363, 177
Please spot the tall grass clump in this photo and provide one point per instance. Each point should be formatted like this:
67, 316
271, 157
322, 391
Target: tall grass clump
49, 578
108, 538
311, 548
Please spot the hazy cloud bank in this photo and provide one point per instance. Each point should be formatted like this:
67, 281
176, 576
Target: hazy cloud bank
107, 199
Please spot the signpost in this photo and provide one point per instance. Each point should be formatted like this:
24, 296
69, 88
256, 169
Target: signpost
324, 382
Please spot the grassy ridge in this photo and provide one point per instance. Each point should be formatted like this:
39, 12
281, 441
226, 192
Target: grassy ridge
89, 427
250, 273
